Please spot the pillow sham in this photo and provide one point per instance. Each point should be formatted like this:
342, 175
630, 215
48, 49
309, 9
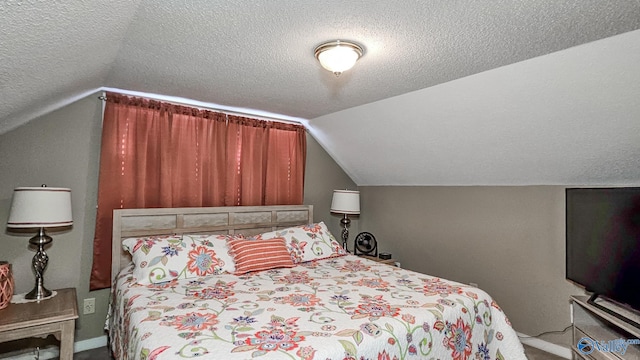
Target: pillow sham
258, 255
158, 259
308, 242
219, 245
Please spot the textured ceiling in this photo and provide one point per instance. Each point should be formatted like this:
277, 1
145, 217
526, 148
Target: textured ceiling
258, 54
568, 118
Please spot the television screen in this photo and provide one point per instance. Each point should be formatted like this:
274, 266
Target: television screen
603, 242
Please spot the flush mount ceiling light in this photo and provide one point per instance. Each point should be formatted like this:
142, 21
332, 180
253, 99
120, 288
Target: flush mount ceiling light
338, 56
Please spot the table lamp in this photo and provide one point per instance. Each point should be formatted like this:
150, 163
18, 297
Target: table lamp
40, 208
346, 202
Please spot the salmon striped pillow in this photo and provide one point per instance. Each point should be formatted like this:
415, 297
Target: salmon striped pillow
258, 255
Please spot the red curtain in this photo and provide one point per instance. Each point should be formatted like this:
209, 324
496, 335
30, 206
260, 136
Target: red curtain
156, 154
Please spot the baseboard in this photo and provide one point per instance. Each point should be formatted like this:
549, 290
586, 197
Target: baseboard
545, 346
88, 344
52, 352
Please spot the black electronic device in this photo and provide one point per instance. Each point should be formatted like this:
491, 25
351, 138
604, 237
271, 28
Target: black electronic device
365, 244
603, 242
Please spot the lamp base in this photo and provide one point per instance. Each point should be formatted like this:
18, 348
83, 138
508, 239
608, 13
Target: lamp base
39, 262
345, 221
38, 293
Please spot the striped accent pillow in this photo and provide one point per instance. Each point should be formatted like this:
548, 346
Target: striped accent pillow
258, 255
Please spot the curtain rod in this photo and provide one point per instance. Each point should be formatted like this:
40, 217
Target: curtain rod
261, 115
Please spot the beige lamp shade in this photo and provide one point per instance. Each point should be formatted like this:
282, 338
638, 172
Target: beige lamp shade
346, 202
36, 207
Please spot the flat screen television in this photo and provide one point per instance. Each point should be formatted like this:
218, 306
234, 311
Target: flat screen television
603, 242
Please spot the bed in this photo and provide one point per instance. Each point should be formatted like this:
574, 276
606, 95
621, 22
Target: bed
335, 306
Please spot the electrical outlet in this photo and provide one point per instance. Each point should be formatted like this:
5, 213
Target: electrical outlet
89, 306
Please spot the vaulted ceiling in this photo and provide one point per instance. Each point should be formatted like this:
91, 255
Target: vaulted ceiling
449, 92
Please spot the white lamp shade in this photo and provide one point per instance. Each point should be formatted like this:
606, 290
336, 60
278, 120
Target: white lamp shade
35, 207
338, 59
339, 55
346, 202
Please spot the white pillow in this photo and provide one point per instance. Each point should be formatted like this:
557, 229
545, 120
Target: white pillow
308, 242
158, 259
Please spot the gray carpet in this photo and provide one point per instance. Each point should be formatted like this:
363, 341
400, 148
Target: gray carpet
537, 354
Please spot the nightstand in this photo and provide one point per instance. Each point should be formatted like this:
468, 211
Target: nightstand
55, 316
391, 262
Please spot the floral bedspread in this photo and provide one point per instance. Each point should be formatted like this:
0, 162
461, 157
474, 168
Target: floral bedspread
337, 308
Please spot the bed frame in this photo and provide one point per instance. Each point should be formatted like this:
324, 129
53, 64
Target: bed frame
248, 220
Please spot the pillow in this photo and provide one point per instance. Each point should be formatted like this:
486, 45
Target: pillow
219, 245
309, 242
158, 259
257, 255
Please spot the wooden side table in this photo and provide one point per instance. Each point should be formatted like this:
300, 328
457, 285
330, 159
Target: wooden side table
55, 316
391, 262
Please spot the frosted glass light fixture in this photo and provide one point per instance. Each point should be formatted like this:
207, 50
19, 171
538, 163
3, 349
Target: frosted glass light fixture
338, 56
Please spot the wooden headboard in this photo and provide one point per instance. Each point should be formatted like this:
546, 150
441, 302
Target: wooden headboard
248, 220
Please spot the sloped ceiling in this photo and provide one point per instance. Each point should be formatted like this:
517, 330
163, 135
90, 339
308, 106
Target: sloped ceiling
568, 118
448, 92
